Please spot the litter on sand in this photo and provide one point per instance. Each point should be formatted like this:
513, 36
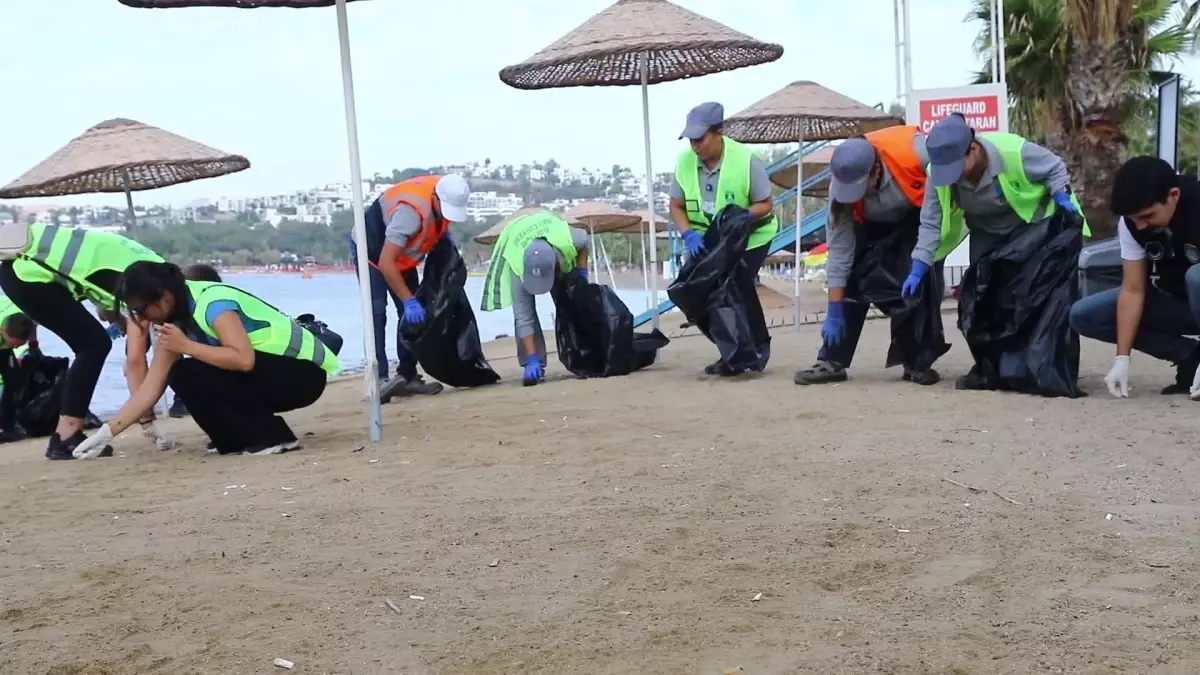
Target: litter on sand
756, 598
1108, 517
416, 597
495, 563
284, 663
391, 605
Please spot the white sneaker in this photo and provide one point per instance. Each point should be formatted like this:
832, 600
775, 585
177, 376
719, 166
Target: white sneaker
278, 449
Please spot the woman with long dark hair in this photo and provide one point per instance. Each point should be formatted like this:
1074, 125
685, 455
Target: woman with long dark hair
236, 361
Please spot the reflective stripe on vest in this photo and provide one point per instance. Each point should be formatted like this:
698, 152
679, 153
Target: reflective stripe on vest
508, 254
48, 260
895, 147
733, 187
420, 193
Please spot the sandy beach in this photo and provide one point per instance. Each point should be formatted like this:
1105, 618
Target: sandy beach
660, 523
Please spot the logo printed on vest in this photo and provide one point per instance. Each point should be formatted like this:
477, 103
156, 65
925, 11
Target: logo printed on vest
1192, 253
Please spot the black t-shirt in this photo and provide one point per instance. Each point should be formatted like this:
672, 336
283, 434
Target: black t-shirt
1172, 250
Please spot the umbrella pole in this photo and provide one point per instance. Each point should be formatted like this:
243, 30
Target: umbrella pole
799, 221
592, 262
370, 376
645, 59
131, 221
607, 265
645, 269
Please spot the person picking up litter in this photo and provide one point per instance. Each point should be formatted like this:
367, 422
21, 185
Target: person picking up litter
1157, 308
532, 253
403, 225
712, 172
16, 330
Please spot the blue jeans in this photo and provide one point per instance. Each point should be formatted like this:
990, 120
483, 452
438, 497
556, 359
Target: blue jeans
1166, 320
407, 368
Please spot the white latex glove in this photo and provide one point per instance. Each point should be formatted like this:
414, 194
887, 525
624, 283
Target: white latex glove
162, 440
94, 445
1117, 379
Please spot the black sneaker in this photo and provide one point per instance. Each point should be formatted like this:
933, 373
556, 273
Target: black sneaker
922, 376
1185, 372
822, 372
178, 409
58, 449
714, 368
11, 436
419, 387
972, 381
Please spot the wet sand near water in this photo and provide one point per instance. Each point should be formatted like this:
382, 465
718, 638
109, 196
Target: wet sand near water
659, 523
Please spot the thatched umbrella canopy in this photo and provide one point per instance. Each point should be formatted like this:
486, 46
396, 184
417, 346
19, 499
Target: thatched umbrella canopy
805, 111
640, 42
122, 155
490, 235
643, 224
599, 217
781, 258
813, 165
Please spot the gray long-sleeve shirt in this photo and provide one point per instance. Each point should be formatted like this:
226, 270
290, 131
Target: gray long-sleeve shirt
888, 204
524, 303
984, 206
760, 184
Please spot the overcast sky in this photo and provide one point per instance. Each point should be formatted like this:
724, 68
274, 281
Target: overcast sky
267, 83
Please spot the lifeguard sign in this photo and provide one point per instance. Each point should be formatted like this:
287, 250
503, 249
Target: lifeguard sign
984, 105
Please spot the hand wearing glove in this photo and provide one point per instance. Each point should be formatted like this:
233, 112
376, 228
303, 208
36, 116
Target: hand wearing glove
1117, 379
915, 274
1063, 199
534, 371
694, 241
114, 331
414, 313
835, 324
94, 445
162, 440
583, 273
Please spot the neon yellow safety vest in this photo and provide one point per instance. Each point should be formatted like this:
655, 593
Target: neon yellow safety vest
282, 336
69, 255
7, 309
733, 187
508, 255
1025, 198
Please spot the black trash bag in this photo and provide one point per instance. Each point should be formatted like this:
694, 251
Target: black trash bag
37, 394
881, 263
447, 345
319, 328
594, 331
1014, 306
704, 290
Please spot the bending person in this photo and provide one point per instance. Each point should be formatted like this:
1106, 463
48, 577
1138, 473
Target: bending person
17, 330
987, 185
532, 252
876, 193
403, 225
712, 172
1157, 308
61, 267
236, 361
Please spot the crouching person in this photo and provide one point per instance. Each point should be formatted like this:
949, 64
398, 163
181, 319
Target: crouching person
236, 361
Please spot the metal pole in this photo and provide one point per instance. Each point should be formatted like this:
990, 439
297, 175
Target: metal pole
896, 43
799, 221
370, 376
995, 55
1001, 31
645, 59
908, 81
132, 216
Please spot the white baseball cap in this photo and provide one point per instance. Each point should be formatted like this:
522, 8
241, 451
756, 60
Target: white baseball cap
452, 191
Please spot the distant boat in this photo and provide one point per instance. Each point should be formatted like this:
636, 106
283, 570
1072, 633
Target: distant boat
306, 275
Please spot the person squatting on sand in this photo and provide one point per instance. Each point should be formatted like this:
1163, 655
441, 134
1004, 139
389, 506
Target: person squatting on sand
59, 269
877, 187
235, 360
16, 331
403, 225
532, 253
712, 172
137, 346
986, 185
1157, 307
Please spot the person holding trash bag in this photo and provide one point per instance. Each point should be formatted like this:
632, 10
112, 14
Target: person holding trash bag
876, 192
236, 361
532, 253
1157, 308
1014, 199
16, 331
715, 171
60, 268
403, 225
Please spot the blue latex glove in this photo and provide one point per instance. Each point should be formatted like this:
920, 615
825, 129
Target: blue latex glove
694, 241
1064, 202
414, 313
583, 273
533, 371
915, 274
835, 323
114, 331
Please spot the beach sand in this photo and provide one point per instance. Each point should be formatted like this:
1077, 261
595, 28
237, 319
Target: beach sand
659, 523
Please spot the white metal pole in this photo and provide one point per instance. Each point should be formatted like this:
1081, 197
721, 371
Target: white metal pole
370, 376
799, 220
896, 43
908, 78
612, 278
592, 262
1001, 32
995, 43
645, 59
645, 268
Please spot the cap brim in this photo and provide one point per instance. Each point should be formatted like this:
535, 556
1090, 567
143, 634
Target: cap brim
537, 285
847, 192
943, 175
454, 214
694, 132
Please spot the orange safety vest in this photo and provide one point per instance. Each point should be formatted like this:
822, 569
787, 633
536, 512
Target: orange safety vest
894, 145
419, 194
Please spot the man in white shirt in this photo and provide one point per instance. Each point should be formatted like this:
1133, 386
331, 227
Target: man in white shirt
1157, 308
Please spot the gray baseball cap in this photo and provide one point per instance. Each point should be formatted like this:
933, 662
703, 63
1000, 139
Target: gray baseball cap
702, 118
947, 144
851, 167
541, 262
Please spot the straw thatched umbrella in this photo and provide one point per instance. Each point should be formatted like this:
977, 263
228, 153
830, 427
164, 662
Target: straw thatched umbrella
122, 155
490, 235
640, 42
600, 217
370, 376
804, 111
815, 163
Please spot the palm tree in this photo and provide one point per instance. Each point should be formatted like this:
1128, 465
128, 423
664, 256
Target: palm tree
1078, 72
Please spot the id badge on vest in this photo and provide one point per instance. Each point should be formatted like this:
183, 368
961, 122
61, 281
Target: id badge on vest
1156, 251
708, 204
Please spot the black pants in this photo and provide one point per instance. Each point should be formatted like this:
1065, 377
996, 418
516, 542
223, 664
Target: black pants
745, 278
53, 307
380, 292
10, 371
238, 410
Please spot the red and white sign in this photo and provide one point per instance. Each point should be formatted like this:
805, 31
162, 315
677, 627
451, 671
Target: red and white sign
984, 105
